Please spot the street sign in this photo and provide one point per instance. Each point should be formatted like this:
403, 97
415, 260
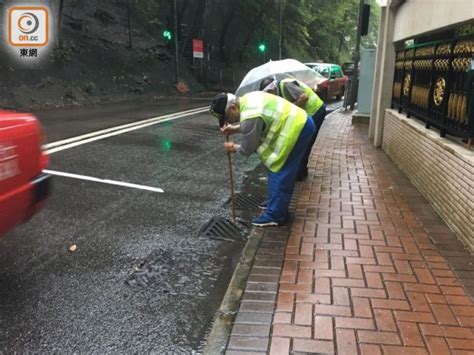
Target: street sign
198, 48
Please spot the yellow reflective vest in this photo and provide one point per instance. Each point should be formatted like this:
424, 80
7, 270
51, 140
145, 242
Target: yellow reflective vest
283, 125
314, 102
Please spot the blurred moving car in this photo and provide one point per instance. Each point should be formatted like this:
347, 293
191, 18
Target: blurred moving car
23, 186
335, 81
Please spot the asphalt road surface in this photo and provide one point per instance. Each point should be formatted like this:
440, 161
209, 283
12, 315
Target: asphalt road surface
140, 279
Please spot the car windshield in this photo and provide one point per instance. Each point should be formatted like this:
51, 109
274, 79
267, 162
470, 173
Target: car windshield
322, 69
318, 76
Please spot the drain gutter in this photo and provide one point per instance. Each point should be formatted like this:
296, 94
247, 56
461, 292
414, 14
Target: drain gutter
224, 319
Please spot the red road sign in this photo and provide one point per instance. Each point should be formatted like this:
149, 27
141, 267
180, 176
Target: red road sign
198, 48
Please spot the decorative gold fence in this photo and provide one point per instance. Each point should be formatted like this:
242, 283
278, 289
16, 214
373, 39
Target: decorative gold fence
435, 82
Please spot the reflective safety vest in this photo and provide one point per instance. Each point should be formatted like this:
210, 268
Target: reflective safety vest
283, 125
314, 102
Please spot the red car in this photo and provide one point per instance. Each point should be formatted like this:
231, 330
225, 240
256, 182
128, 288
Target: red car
23, 185
335, 82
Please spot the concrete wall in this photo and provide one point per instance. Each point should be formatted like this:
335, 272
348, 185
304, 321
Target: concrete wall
441, 170
415, 17
384, 64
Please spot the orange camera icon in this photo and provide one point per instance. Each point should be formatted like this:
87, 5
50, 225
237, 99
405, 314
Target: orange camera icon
28, 26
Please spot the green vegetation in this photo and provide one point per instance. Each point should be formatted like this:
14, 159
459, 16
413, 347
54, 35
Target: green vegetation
312, 29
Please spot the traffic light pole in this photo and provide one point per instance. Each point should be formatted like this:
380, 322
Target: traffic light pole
176, 55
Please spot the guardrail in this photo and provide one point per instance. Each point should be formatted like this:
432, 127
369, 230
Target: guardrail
435, 83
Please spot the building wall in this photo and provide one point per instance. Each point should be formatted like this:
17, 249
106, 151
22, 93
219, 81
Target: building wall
415, 17
441, 170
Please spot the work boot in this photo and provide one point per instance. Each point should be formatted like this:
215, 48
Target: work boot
264, 221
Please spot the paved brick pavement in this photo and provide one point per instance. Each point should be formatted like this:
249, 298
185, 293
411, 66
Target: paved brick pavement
362, 271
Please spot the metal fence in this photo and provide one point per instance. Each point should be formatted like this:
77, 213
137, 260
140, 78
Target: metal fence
435, 82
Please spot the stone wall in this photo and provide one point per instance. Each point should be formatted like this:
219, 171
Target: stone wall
442, 170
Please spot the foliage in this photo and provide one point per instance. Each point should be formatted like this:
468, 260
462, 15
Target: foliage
66, 52
334, 28
312, 29
147, 10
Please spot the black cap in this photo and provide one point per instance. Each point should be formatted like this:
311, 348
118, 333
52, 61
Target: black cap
265, 82
217, 109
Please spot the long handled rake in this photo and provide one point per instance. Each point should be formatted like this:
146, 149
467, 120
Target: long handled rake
229, 160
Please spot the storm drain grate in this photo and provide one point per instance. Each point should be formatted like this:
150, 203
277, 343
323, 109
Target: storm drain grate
246, 201
184, 272
219, 228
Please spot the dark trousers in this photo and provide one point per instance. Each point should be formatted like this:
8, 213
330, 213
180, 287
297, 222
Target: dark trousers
281, 184
318, 119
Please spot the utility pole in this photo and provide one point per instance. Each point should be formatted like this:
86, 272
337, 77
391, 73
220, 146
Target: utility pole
356, 57
176, 57
280, 40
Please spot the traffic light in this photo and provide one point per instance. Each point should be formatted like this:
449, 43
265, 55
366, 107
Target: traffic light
262, 47
167, 35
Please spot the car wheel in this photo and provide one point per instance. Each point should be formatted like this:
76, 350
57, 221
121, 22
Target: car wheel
338, 97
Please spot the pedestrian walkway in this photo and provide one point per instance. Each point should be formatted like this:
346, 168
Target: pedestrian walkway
368, 266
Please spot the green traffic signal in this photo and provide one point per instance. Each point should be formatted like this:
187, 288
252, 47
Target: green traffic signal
167, 35
262, 47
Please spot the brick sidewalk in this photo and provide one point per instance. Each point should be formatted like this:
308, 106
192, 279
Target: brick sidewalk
360, 272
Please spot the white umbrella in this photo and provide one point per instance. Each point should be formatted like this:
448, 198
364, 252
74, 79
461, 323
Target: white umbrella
279, 69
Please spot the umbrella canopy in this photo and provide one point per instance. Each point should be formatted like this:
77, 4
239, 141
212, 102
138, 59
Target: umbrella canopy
279, 69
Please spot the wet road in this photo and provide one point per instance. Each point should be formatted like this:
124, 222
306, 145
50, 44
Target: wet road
140, 280
91, 300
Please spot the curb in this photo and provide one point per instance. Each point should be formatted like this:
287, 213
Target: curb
225, 316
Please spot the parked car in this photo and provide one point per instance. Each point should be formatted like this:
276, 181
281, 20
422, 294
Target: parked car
348, 68
335, 83
23, 186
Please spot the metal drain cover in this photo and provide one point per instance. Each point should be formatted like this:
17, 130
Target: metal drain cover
220, 229
246, 201
177, 273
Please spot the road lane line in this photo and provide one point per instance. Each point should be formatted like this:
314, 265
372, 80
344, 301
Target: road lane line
111, 129
105, 133
104, 181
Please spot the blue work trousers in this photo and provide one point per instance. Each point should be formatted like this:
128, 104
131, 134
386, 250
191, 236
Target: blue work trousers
282, 183
318, 119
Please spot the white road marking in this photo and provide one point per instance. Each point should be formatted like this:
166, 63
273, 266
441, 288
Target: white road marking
104, 181
109, 132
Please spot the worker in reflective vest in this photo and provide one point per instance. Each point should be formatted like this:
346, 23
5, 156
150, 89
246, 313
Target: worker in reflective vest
278, 131
303, 96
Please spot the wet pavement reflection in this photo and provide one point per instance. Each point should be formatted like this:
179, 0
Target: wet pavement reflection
142, 279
